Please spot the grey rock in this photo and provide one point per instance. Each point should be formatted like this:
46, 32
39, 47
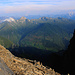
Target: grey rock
4, 69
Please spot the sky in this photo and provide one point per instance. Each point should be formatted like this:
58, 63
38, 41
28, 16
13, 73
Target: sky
35, 7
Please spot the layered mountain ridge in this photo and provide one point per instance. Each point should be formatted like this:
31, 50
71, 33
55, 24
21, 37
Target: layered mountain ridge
44, 33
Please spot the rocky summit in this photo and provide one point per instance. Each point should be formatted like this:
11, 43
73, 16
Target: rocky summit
19, 66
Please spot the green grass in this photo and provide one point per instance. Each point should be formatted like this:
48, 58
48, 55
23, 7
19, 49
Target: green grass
5, 42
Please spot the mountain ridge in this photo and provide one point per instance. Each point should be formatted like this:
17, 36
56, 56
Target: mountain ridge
10, 19
18, 31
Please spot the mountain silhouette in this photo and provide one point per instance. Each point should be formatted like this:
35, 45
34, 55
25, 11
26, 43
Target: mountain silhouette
69, 56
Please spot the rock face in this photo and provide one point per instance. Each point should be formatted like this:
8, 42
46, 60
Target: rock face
22, 19
4, 70
23, 66
69, 56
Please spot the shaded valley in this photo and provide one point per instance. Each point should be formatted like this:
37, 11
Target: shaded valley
62, 61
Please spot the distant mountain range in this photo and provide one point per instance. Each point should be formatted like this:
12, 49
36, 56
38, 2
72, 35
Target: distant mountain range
68, 15
43, 33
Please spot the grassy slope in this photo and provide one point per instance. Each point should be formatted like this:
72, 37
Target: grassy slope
46, 36
43, 33
5, 42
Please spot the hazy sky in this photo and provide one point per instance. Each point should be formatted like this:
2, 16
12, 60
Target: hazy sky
35, 7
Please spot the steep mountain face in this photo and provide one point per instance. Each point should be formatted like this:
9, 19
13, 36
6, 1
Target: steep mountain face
69, 56
44, 33
23, 66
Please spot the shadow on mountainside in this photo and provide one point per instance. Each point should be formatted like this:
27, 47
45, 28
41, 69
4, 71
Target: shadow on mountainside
48, 58
62, 62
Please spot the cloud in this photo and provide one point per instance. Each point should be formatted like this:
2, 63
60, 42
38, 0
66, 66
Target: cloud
36, 6
23, 2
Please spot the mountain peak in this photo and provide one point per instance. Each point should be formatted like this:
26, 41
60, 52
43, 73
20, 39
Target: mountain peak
10, 19
44, 18
22, 18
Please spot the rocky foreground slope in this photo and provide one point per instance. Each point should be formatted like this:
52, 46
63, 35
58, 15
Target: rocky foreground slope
22, 66
4, 70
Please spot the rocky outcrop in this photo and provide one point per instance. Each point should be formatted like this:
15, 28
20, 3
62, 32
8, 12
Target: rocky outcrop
24, 66
4, 70
22, 19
